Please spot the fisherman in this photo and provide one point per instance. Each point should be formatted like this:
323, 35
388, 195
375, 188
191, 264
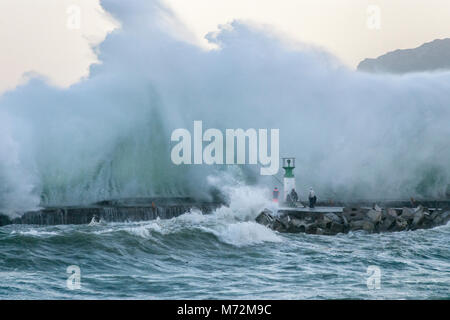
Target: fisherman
276, 193
312, 198
294, 196
289, 200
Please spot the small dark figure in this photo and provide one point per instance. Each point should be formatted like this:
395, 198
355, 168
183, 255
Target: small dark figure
312, 198
289, 200
154, 209
294, 196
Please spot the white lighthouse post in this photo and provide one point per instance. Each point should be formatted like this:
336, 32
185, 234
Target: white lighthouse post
289, 179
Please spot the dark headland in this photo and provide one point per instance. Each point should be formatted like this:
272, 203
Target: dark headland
431, 56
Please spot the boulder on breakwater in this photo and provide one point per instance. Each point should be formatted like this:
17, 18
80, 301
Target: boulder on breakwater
121, 210
348, 219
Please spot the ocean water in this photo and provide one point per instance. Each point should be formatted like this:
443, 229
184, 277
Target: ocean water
224, 255
353, 134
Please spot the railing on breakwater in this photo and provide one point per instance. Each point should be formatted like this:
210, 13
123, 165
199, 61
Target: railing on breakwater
386, 203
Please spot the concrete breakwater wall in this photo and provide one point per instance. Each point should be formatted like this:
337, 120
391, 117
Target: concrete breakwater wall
353, 219
112, 211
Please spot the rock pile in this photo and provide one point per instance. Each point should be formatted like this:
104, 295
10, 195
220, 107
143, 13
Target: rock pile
352, 219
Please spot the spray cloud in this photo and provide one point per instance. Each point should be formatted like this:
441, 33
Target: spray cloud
108, 136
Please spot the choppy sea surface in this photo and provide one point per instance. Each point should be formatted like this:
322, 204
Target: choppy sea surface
224, 255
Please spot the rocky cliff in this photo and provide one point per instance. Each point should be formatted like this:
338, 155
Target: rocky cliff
431, 56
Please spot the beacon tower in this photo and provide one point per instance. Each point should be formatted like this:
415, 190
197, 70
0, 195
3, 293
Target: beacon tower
289, 179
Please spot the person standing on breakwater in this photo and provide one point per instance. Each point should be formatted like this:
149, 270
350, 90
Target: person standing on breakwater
312, 198
276, 193
294, 196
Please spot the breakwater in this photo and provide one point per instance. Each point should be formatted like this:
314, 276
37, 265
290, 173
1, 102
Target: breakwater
120, 210
334, 220
332, 217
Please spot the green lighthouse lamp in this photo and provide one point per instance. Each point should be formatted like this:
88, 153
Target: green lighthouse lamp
289, 178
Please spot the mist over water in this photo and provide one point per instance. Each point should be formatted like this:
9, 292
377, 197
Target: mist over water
353, 134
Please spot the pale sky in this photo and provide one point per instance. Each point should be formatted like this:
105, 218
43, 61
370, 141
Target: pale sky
48, 38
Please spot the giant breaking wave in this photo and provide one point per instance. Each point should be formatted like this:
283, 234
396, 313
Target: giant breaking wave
353, 134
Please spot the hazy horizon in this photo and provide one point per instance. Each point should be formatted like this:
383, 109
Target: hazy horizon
42, 38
